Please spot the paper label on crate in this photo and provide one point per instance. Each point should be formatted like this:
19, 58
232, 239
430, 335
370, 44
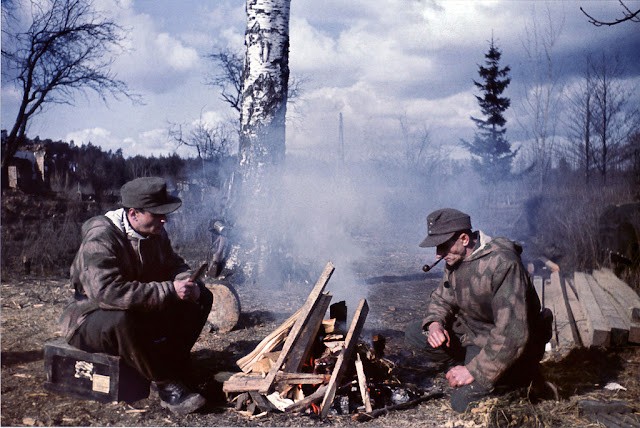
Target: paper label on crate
84, 369
101, 383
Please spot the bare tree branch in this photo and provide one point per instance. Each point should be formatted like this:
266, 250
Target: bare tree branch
67, 49
228, 78
627, 15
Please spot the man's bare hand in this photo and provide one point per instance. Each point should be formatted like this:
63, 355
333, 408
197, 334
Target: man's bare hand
186, 289
459, 376
437, 335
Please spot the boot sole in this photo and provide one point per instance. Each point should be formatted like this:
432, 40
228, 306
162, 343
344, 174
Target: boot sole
188, 405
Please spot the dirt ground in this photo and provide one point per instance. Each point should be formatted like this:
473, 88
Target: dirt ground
396, 291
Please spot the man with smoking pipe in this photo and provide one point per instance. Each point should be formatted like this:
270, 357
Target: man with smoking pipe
134, 296
484, 326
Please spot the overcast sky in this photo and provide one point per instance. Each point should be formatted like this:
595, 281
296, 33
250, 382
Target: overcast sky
376, 61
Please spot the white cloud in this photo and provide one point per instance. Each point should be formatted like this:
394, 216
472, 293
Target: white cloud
153, 142
97, 136
211, 118
311, 49
154, 60
372, 61
178, 56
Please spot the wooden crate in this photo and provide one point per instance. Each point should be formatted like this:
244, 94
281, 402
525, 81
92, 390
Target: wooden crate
91, 376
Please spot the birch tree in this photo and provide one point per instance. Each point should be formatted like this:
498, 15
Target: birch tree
261, 151
264, 88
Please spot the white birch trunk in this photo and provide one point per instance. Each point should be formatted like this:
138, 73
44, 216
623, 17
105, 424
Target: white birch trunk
262, 137
264, 94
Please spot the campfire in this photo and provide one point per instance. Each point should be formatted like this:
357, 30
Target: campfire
314, 365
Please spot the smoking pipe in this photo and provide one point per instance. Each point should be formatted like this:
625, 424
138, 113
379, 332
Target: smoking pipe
427, 268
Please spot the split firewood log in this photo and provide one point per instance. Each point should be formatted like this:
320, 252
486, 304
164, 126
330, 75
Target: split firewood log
225, 311
267, 344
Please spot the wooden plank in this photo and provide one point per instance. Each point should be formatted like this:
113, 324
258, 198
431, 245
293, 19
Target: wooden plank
299, 353
241, 400
572, 322
241, 382
625, 299
302, 378
619, 332
599, 330
626, 315
350, 344
263, 404
578, 315
617, 287
565, 330
267, 344
301, 321
362, 383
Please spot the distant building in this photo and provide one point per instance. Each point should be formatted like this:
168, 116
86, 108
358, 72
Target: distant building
34, 161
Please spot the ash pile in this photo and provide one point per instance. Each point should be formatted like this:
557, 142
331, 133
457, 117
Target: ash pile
319, 367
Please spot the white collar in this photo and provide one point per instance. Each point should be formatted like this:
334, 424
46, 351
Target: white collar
119, 219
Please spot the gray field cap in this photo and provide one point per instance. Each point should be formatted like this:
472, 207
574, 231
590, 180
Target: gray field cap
149, 194
442, 224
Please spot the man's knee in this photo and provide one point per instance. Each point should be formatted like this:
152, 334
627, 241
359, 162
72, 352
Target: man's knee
466, 395
414, 337
102, 331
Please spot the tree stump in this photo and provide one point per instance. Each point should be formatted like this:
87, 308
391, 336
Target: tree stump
225, 311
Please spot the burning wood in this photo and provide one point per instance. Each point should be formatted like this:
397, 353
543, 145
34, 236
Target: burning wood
310, 373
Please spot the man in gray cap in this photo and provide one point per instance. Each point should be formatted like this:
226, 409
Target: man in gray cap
133, 295
484, 324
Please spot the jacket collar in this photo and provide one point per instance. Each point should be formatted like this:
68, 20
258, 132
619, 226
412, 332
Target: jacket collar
119, 219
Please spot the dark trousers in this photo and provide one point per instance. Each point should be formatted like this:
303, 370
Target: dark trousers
525, 370
156, 344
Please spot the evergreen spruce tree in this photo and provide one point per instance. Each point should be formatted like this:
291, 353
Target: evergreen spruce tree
492, 154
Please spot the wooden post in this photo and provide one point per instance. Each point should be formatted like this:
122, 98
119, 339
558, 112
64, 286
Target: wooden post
341, 364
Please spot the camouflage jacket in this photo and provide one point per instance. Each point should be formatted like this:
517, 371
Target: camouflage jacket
115, 268
494, 304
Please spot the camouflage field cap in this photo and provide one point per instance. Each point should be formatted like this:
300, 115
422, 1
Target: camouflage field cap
150, 194
442, 224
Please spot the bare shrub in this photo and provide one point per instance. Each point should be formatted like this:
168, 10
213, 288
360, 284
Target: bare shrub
567, 223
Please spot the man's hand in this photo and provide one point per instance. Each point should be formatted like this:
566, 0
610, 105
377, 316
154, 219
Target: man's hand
186, 289
437, 335
459, 376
